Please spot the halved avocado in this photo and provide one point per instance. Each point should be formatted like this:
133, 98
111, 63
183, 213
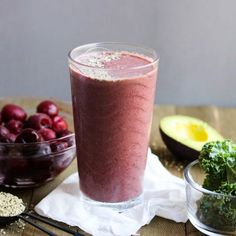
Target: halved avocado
185, 136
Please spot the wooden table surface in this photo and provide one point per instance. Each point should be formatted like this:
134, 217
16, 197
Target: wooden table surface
220, 118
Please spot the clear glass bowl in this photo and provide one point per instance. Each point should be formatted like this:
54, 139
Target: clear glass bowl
29, 165
211, 213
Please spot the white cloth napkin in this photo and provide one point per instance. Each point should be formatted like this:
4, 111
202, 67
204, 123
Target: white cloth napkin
164, 195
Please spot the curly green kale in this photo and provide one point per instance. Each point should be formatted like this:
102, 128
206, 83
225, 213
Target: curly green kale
217, 211
228, 188
218, 160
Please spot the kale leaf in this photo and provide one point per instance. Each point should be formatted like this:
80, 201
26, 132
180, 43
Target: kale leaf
218, 160
217, 211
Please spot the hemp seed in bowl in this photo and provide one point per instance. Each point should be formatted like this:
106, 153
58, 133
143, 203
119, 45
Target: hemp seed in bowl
10, 205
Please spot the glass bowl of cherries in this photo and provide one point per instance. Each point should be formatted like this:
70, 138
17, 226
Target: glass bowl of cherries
34, 148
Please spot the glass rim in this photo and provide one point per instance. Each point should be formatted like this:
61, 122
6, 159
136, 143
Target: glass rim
198, 187
155, 58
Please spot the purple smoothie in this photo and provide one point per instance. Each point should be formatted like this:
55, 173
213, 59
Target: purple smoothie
112, 107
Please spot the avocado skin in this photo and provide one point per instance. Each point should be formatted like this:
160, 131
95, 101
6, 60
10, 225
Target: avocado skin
180, 150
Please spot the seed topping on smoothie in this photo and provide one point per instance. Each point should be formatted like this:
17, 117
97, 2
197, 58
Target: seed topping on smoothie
95, 62
112, 65
100, 59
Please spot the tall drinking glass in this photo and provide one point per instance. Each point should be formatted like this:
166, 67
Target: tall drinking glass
113, 89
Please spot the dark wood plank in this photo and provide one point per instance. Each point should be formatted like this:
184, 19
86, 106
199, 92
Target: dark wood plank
162, 227
227, 117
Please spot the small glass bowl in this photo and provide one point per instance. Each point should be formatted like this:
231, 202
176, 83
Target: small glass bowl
32, 164
208, 211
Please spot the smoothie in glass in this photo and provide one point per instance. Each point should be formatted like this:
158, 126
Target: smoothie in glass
113, 94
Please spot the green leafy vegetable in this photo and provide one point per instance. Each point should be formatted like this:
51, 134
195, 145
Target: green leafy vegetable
218, 160
229, 189
217, 211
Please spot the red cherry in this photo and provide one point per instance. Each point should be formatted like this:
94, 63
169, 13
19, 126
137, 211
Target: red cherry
48, 107
6, 136
39, 121
69, 140
4, 133
15, 126
59, 146
64, 133
13, 112
28, 136
59, 124
47, 134
10, 138
0, 118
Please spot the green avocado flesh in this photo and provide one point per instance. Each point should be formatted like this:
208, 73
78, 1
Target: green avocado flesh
185, 136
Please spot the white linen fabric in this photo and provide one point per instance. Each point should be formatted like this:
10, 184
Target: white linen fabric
163, 195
